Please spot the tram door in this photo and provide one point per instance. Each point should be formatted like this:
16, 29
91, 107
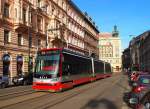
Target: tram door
6, 65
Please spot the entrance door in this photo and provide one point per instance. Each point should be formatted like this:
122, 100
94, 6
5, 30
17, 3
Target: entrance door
6, 65
117, 68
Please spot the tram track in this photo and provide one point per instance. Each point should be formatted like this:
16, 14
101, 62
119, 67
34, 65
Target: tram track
16, 94
21, 99
61, 97
70, 96
54, 98
14, 89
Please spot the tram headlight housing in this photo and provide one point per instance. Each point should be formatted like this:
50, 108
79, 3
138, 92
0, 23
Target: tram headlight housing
55, 79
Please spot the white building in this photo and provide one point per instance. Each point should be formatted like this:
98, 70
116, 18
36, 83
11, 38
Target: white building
110, 49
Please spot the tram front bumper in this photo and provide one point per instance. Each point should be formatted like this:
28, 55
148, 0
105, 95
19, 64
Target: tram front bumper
47, 87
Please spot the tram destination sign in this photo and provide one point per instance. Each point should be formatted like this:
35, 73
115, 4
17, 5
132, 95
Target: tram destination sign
48, 52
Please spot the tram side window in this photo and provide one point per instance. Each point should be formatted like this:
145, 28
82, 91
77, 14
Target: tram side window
88, 65
67, 65
85, 66
108, 68
70, 65
77, 65
66, 69
99, 67
81, 67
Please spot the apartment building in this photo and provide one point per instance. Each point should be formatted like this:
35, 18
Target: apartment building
110, 49
140, 51
29, 25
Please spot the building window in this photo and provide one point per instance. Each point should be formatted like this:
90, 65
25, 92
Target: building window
6, 37
6, 64
31, 17
6, 10
31, 1
39, 3
39, 42
53, 10
30, 41
39, 23
24, 15
20, 40
63, 5
16, 12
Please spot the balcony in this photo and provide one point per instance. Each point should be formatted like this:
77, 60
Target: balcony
21, 25
43, 10
7, 20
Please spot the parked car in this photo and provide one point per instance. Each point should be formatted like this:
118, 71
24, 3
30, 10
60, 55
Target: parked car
140, 91
135, 75
4, 81
145, 102
23, 79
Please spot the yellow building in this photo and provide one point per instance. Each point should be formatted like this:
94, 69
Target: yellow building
29, 25
110, 49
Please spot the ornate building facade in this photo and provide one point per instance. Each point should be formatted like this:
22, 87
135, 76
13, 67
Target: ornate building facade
140, 52
135, 52
145, 51
29, 25
110, 49
126, 59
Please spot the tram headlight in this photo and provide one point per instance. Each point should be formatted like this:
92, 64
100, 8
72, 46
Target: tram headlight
55, 79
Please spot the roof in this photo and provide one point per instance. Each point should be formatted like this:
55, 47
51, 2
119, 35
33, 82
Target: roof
84, 16
140, 37
105, 35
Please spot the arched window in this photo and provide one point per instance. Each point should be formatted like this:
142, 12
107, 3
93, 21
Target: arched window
6, 64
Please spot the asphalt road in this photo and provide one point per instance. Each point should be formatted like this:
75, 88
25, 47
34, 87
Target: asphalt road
102, 94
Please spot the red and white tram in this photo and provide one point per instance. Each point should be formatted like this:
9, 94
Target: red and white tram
57, 69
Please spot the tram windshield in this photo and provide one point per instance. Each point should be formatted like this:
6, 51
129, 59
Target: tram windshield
47, 64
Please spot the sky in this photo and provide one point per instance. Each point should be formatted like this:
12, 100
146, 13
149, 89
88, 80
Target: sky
132, 17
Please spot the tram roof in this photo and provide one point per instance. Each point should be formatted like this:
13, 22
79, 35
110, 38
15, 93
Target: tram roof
67, 51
